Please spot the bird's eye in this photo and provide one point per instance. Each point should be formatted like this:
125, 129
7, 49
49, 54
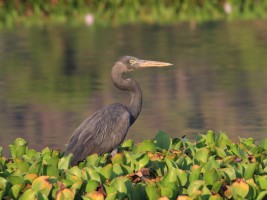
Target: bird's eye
132, 61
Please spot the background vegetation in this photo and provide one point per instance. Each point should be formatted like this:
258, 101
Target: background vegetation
127, 11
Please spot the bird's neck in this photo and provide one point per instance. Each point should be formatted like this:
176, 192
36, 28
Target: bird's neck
133, 87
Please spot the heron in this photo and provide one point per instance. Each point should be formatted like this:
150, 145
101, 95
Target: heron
105, 130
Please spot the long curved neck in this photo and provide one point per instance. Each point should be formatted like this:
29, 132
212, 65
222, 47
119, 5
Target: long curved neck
129, 85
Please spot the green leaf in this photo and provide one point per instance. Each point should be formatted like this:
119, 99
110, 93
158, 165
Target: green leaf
128, 144
211, 177
93, 174
145, 146
194, 174
210, 137
202, 155
22, 165
42, 184
249, 171
123, 186
166, 191
18, 148
92, 160
141, 161
194, 187
106, 171
240, 189
116, 171
262, 181
28, 194
262, 195
64, 162
14, 180
152, 192
65, 194
264, 143
111, 196
91, 185
229, 174
118, 158
163, 140
15, 190
170, 176
182, 177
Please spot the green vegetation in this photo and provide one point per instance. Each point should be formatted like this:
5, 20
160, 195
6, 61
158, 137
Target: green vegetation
213, 167
120, 12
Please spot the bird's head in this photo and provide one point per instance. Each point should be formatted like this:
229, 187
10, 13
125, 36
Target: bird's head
132, 63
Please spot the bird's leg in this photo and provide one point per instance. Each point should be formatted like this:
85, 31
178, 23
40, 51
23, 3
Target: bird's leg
113, 152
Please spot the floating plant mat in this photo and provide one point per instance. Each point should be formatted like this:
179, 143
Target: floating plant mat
212, 167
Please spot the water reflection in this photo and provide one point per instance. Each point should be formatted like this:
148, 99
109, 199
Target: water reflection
53, 78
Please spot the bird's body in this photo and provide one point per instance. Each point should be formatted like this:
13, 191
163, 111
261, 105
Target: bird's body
106, 129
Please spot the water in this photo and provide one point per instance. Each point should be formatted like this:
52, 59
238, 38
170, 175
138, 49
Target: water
53, 77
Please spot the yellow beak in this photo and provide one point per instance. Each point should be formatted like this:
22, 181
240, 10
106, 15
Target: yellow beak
150, 63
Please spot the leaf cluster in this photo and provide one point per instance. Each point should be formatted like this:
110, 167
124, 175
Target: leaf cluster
212, 167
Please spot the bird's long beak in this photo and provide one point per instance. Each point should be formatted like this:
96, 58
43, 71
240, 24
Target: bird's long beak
150, 63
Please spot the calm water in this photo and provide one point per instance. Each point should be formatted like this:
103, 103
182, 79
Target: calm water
54, 77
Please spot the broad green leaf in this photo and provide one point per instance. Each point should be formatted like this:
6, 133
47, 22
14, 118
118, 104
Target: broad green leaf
182, 176
240, 188
262, 195
229, 174
106, 171
220, 152
202, 155
93, 174
42, 184
264, 144
116, 171
28, 194
152, 192
91, 185
64, 162
65, 194
52, 166
194, 174
118, 158
14, 180
211, 164
215, 197
249, 171
15, 190
194, 187
92, 160
170, 176
217, 186
111, 196
262, 181
166, 191
211, 177
35, 168
128, 144
145, 146
123, 186
18, 148
210, 137
22, 165
163, 140
142, 161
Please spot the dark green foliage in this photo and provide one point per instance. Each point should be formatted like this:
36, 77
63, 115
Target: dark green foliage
121, 12
213, 167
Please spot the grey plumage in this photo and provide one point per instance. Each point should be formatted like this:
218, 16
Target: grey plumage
106, 129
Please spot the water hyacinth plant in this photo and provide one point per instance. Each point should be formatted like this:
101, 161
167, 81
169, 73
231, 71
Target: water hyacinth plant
212, 167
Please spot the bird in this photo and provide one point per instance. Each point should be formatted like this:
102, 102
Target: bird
106, 129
